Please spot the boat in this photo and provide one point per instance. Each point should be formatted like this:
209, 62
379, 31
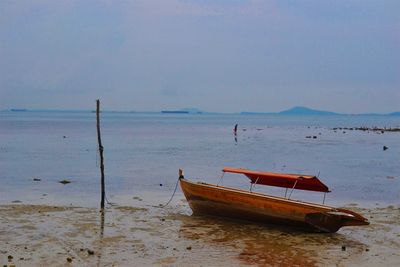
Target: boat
217, 200
174, 112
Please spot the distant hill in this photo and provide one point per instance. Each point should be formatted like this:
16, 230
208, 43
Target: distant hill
306, 111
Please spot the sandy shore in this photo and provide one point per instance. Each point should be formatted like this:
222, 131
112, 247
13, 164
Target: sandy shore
38, 235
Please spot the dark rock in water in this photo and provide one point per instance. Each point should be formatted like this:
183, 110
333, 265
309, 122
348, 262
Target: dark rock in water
315, 137
385, 148
36, 179
308, 136
64, 136
160, 184
65, 181
343, 248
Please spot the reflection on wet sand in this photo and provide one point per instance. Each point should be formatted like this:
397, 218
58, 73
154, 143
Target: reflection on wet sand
263, 244
102, 217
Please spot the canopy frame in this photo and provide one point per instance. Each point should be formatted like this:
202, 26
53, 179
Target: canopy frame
292, 181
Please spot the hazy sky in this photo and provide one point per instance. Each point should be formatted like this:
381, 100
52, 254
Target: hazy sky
216, 55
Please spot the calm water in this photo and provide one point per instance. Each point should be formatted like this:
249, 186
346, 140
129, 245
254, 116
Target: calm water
143, 151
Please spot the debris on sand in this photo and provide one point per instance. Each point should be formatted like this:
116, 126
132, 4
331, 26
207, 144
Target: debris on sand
65, 181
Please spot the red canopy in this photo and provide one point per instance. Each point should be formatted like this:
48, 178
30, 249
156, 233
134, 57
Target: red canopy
297, 181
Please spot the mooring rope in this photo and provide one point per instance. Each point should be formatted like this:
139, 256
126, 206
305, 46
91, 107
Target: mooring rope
108, 202
115, 204
169, 201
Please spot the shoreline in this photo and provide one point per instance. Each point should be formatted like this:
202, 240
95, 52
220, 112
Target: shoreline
37, 235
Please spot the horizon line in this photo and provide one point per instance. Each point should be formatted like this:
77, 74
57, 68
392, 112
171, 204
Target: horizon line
199, 112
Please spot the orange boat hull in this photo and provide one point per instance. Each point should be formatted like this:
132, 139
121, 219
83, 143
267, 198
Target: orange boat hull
229, 202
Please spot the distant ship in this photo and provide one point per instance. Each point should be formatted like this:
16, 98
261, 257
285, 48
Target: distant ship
19, 109
175, 111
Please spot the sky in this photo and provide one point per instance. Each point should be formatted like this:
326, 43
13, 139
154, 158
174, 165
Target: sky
214, 55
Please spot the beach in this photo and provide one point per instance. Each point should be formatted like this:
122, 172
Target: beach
46, 223
38, 235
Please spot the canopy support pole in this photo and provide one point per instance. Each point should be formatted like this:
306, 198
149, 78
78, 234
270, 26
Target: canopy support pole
220, 178
292, 189
323, 202
251, 184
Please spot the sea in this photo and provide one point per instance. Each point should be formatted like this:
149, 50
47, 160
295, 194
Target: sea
144, 151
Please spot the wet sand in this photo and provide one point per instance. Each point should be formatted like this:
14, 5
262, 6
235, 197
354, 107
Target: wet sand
39, 235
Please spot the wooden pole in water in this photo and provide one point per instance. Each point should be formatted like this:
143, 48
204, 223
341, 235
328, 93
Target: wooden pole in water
103, 191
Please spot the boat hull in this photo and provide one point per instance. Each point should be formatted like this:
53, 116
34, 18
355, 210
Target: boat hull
234, 203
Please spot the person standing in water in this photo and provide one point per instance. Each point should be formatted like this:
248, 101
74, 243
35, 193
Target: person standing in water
235, 133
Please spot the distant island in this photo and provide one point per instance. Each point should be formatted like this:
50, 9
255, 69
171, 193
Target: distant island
183, 111
304, 111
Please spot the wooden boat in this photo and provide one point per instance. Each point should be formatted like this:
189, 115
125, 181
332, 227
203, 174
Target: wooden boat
224, 201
